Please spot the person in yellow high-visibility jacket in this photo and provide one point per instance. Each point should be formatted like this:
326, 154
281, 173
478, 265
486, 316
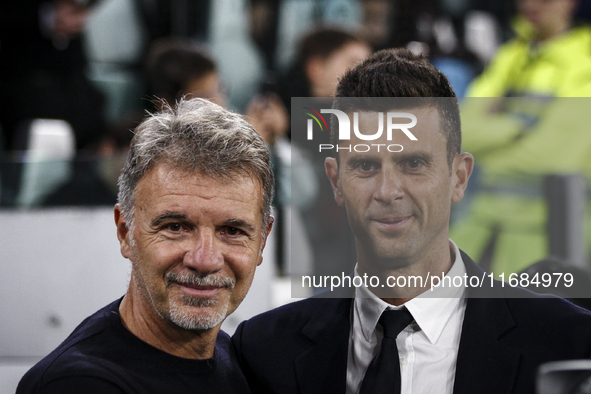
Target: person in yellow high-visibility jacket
525, 129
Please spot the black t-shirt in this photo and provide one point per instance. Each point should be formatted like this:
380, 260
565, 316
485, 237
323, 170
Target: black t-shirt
102, 356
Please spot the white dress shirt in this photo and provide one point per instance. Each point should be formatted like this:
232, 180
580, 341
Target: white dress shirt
428, 347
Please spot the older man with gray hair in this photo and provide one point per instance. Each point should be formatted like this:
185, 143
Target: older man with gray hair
193, 217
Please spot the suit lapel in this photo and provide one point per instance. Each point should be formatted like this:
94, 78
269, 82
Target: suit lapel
323, 367
485, 365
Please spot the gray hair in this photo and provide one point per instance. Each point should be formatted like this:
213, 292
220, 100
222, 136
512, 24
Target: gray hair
199, 136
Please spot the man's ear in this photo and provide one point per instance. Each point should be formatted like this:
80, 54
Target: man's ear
331, 166
123, 233
461, 170
265, 236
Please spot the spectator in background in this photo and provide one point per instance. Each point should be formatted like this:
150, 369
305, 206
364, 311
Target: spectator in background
296, 181
180, 67
549, 57
42, 68
94, 175
322, 58
177, 67
526, 132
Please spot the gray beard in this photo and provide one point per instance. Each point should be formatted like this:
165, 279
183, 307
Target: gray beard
184, 318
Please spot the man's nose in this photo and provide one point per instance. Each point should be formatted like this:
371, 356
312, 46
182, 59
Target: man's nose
389, 187
204, 254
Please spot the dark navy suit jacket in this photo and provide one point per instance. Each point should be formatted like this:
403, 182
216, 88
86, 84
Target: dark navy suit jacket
302, 347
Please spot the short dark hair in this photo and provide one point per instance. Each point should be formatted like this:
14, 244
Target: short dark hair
400, 73
171, 65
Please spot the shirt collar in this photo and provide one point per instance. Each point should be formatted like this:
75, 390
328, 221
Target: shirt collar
430, 310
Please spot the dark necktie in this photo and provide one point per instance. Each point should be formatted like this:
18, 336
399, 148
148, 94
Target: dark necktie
383, 374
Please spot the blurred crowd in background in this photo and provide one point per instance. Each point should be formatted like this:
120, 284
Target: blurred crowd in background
77, 76
95, 63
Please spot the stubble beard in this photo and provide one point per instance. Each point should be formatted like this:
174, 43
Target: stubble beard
181, 310
212, 311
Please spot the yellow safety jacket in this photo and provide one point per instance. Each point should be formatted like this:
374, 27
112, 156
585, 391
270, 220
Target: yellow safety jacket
522, 128
560, 67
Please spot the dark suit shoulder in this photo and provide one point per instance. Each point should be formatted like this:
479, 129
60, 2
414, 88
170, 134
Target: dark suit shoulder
297, 312
527, 305
284, 326
531, 317
555, 318
541, 328
272, 347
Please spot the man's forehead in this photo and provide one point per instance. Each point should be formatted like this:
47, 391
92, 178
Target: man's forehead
169, 189
165, 178
164, 171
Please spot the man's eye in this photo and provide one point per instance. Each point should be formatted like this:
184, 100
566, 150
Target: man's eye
414, 163
233, 231
175, 227
366, 166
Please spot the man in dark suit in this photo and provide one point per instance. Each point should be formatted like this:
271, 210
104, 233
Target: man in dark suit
474, 335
